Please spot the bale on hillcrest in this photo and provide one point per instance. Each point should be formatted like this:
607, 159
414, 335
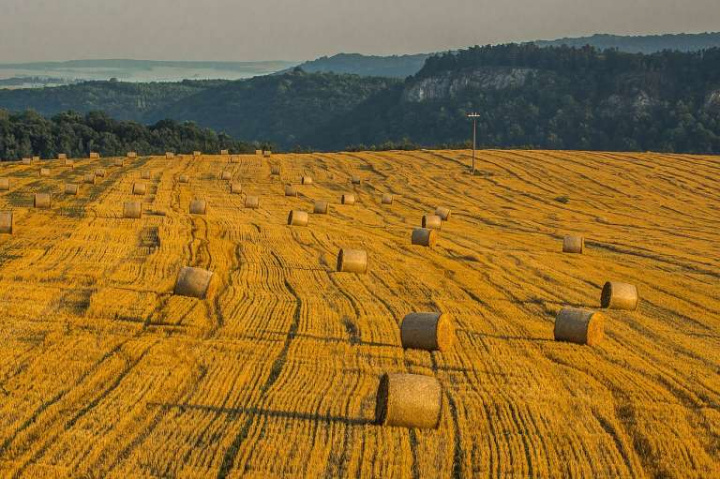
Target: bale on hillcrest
432, 222
72, 189
226, 175
352, 261
321, 207
35, 158
197, 154
27, 161
7, 222
139, 188
69, 163
235, 188
408, 400
4, 184
347, 199
42, 200
94, 155
224, 152
146, 175
89, 179
291, 191
62, 156
194, 283
169, 155
298, 218
443, 213
275, 170
427, 331
573, 244
387, 199
132, 209
252, 202
132, 154
424, 237
119, 162
306, 180
619, 296
44, 171
198, 207
100, 172
580, 326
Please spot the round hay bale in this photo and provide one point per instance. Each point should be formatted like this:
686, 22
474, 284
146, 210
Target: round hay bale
252, 202
258, 152
35, 158
72, 189
119, 162
443, 213
234, 159
408, 400
169, 155
139, 188
89, 179
275, 170
42, 200
132, 209
432, 222
4, 184
321, 207
298, 218
198, 207
306, 180
100, 172
352, 261
387, 199
197, 154
424, 237
291, 191
235, 188
193, 282
580, 326
619, 296
146, 175
184, 179
62, 156
224, 152
69, 163
427, 331
573, 244
347, 199
226, 175
94, 155
44, 171
267, 153
132, 154
7, 222
27, 161
356, 180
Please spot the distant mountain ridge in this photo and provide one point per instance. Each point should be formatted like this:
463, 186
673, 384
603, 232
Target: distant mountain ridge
683, 42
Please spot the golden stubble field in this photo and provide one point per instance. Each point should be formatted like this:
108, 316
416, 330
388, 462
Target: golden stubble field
105, 373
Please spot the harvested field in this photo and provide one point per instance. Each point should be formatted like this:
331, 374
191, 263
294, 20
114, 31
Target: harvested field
104, 372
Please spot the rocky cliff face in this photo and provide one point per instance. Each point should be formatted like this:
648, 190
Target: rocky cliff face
449, 84
713, 101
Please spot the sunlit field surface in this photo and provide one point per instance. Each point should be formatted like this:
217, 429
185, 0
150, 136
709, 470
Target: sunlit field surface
105, 373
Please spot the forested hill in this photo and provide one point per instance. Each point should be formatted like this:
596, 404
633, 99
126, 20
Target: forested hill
396, 66
684, 42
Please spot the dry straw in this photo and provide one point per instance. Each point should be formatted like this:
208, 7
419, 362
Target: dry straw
169, 155
573, 244
69, 163
42, 200
132, 209
94, 155
321, 207
356, 180
197, 154
72, 189
352, 261
4, 184
184, 179
432, 222
100, 172
580, 326
146, 175
89, 179
27, 161
258, 152
424, 237
387, 199
347, 199
408, 400
139, 188
298, 218
291, 191
427, 331
198, 207
224, 152
132, 154
194, 282
234, 159
62, 156
252, 202
306, 180
235, 188
275, 170
619, 296
44, 171
267, 153
7, 222
226, 175
35, 158
119, 162
443, 213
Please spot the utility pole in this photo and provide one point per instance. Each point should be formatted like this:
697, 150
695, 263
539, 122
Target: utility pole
474, 117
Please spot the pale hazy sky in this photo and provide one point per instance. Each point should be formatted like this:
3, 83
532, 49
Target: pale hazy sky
244, 30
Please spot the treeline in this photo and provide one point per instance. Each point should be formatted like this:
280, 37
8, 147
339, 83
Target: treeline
30, 134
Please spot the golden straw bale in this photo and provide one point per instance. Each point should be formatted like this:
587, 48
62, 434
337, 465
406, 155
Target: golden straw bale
424, 237
197, 154
89, 179
352, 261
132, 209
94, 155
258, 152
306, 180
234, 159
69, 163
443, 213
44, 171
184, 179
72, 189
169, 155
252, 202
235, 188
291, 191
4, 184
139, 188
226, 175
42, 200
298, 218
321, 207
198, 207
432, 222
347, 199
267, 153
194, 283
119, 162
27, 161
146, 175
62, 156
356, 180
275, 170
617, 295
7, 222
100, 172
35, 158
132, 154
224, 152
573, 244
408, 400
428, 331
387, 199
580, 326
